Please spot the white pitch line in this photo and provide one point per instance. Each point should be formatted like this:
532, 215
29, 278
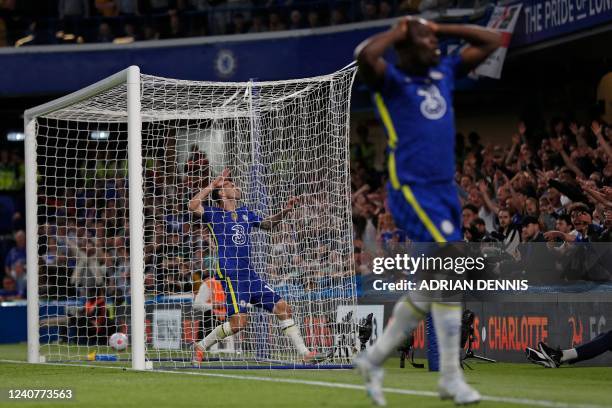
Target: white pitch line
401, 391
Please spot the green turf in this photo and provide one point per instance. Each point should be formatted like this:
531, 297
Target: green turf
96, 387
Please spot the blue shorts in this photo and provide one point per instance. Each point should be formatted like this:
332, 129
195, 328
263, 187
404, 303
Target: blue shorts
428, 213
247, 287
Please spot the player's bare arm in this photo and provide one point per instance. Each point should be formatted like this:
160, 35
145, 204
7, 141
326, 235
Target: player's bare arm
482, 41
369, 54
273, 220
195, 204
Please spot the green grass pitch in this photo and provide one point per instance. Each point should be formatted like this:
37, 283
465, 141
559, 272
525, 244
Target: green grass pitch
107, 387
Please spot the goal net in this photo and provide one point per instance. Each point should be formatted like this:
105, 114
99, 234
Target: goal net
114, 249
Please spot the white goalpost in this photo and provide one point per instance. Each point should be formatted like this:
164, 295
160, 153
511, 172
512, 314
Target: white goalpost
112, 248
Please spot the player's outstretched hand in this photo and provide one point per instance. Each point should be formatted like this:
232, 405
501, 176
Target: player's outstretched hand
220, 180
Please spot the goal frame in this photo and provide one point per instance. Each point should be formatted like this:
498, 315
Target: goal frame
134, 95
131, 77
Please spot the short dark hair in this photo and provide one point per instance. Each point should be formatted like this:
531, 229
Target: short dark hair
578, 207
215, 195
530, 220
477, 221
569, 172
566, 218
471, 207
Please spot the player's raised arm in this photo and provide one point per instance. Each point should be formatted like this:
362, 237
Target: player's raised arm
195, 204
482, 41
273, 220
369, 54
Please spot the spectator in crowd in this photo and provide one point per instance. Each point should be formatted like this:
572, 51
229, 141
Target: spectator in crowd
337, 16
314, 20
210, 298
127, 7
508, 232
15, 262
257, 24
150, 33
362, 150
275, 22
238, 25
71, 14
130, 32
369, 10
175, 27
531, 230
469, 213
10, 177
159, 6
105, 33
9, 290
73, 8
477, 232
296, 20
106, 8
384, 9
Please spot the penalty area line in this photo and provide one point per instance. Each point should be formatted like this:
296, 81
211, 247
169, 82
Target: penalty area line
401, 391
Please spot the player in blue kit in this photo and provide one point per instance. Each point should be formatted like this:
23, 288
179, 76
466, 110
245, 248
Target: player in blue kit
414, 102
230, 227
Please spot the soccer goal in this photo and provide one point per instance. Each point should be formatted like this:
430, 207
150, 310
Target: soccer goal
111, 247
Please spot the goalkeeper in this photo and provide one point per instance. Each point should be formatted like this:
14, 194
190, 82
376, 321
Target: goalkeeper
230, 227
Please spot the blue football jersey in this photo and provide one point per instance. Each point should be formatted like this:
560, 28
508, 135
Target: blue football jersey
418, 116
231, 231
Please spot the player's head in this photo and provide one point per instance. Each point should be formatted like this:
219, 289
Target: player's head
421, 48
227, 192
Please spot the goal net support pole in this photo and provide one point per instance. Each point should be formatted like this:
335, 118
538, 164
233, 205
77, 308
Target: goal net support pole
131, 76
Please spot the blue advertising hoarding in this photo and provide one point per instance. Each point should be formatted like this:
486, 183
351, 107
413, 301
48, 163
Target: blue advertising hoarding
542, 20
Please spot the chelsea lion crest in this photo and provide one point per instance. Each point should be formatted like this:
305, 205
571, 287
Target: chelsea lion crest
225, 63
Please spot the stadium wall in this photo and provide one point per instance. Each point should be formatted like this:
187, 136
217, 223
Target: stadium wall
503, 330
264, 56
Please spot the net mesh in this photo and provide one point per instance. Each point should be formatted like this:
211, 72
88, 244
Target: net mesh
279, 139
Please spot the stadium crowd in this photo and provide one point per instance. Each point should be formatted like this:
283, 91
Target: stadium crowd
551, 187
27, 22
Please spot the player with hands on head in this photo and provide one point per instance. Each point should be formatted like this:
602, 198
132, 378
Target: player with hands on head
414, 102
230, 226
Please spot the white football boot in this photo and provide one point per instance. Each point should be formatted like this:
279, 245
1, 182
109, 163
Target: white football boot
373, 377
457, 389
